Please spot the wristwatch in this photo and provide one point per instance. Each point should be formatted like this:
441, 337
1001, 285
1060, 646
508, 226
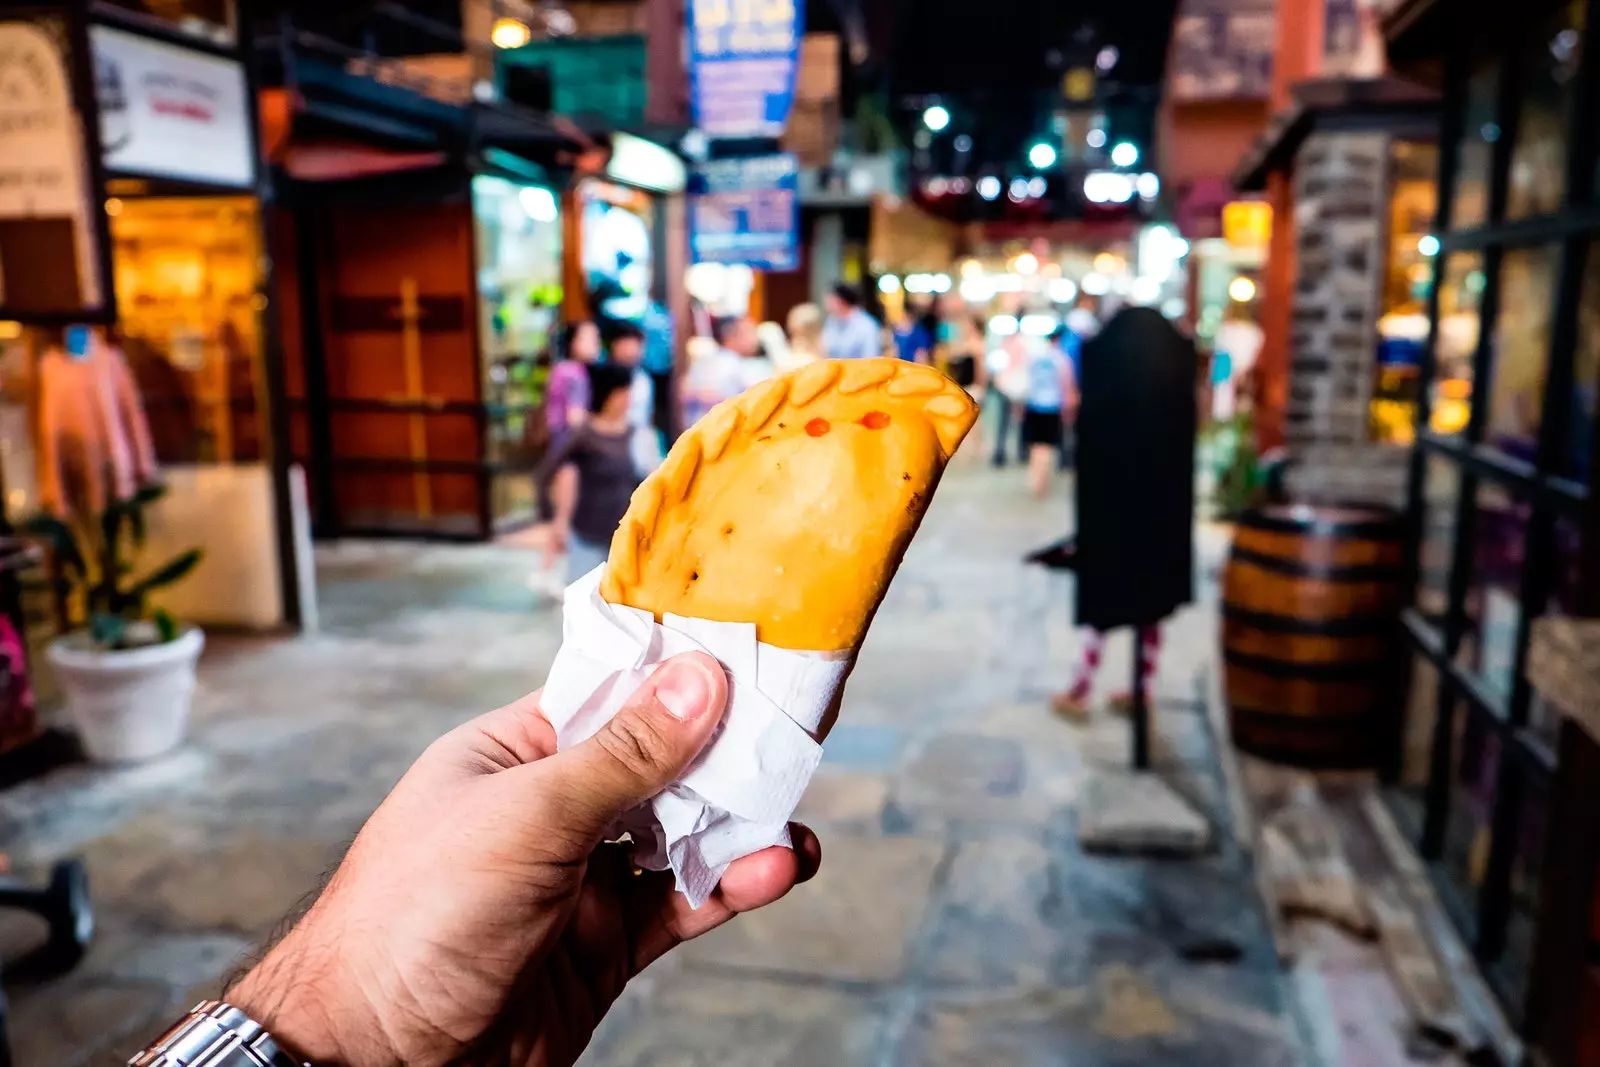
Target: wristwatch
215, 1035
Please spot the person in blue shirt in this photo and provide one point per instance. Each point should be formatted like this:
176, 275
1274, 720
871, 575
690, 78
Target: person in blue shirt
1048, 403
913, 341
850, 333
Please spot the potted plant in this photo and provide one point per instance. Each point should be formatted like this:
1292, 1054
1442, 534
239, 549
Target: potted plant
127, 671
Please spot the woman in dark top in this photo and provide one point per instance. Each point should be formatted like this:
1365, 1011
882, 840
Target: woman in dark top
590, 475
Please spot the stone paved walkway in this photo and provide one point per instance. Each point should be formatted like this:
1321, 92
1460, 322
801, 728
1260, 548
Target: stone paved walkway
955, 921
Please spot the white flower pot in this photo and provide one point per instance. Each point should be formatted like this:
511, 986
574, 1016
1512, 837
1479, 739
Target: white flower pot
131, 704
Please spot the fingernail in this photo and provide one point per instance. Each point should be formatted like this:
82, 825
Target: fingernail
683, 686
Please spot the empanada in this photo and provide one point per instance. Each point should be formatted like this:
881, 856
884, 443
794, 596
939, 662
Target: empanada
791, 505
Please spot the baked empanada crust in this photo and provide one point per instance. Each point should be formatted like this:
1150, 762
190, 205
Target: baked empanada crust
791, 505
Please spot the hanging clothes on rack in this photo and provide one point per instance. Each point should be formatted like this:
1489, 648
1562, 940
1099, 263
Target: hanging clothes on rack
94, 439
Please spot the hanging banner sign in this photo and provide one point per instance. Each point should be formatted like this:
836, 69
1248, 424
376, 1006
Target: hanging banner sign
746, 211
171, 112
743, 57
50, 224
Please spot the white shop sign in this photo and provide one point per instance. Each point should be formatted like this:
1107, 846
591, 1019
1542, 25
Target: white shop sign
170, 112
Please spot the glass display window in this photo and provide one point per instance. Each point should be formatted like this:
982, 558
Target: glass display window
1578, 455
1474, 783
188, 280
1494, 586
1539, 156
1408, 277
617, 250
1521, 358
1441, 495
1460, 319
1469, 205
517, 235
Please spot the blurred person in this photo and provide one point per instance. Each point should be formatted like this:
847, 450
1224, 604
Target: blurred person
660, 338
1007, 374
1082, 321
849, 333
590, 475
913, 340
627, 350
967, 366
805, 336
1133, 552
478, 917
736, 365
1046, 407
567, 393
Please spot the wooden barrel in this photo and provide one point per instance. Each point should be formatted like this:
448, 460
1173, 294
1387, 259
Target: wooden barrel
1311, 644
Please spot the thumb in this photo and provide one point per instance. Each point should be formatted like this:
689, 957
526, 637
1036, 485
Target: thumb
644, 747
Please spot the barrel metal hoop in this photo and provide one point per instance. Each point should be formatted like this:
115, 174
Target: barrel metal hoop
1304, 723
1328, 572
1342, 671
1343, 626
1379, 529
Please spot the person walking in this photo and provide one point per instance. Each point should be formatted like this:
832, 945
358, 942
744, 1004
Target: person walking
627, 350
735, 366
1006, 369
590, 476
804, 326
850, 333
967, 367
913, 341
566, 403
1047, 405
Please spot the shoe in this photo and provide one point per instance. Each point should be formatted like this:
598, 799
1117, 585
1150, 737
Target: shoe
1061, 556
1070, 707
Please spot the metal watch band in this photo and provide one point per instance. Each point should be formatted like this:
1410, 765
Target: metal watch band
215, 1035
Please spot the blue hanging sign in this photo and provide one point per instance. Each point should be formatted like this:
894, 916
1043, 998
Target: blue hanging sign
743, 58
746, 211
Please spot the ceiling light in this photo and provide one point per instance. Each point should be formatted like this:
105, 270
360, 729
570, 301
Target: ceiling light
1125, 154
510, 33
989, 187
888, 284
936, 118
1042, 156
1096, 139
1241, 290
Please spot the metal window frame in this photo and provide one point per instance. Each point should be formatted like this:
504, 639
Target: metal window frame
1525, 761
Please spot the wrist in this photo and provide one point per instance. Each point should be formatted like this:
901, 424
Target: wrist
311, 1012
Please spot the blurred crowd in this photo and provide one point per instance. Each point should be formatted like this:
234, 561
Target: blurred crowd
604, 406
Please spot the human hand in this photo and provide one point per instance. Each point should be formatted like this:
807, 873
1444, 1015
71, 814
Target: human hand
477, 917
555, 544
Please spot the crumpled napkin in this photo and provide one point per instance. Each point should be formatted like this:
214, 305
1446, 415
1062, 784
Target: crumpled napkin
737, 796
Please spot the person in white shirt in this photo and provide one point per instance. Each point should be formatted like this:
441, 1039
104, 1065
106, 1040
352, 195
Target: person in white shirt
850, 333
627, 349
735, 366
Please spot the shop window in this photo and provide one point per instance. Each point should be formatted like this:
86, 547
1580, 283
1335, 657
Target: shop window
1441, 490
1474, 782
1521, 351
1544, 718
518, 244
1460, 303
189, 302
1493, 607
1527, 864
1539, 157
1408, 276
1422, 714
1578, 455
1470, 204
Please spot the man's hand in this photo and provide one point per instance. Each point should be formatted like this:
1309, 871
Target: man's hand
477, 916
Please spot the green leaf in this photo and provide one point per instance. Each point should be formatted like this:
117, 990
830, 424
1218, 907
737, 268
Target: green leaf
174, 571
108, 630
166, 625
61, 539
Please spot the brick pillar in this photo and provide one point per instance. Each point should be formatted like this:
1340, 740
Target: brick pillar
1296, 55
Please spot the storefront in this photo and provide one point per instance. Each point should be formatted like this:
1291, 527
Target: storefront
180, 289
420, 245
1500, 500
1357, 161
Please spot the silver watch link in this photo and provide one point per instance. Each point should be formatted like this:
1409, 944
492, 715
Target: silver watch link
215, 1034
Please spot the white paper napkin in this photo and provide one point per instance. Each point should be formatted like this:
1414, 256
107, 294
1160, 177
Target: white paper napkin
738, 795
